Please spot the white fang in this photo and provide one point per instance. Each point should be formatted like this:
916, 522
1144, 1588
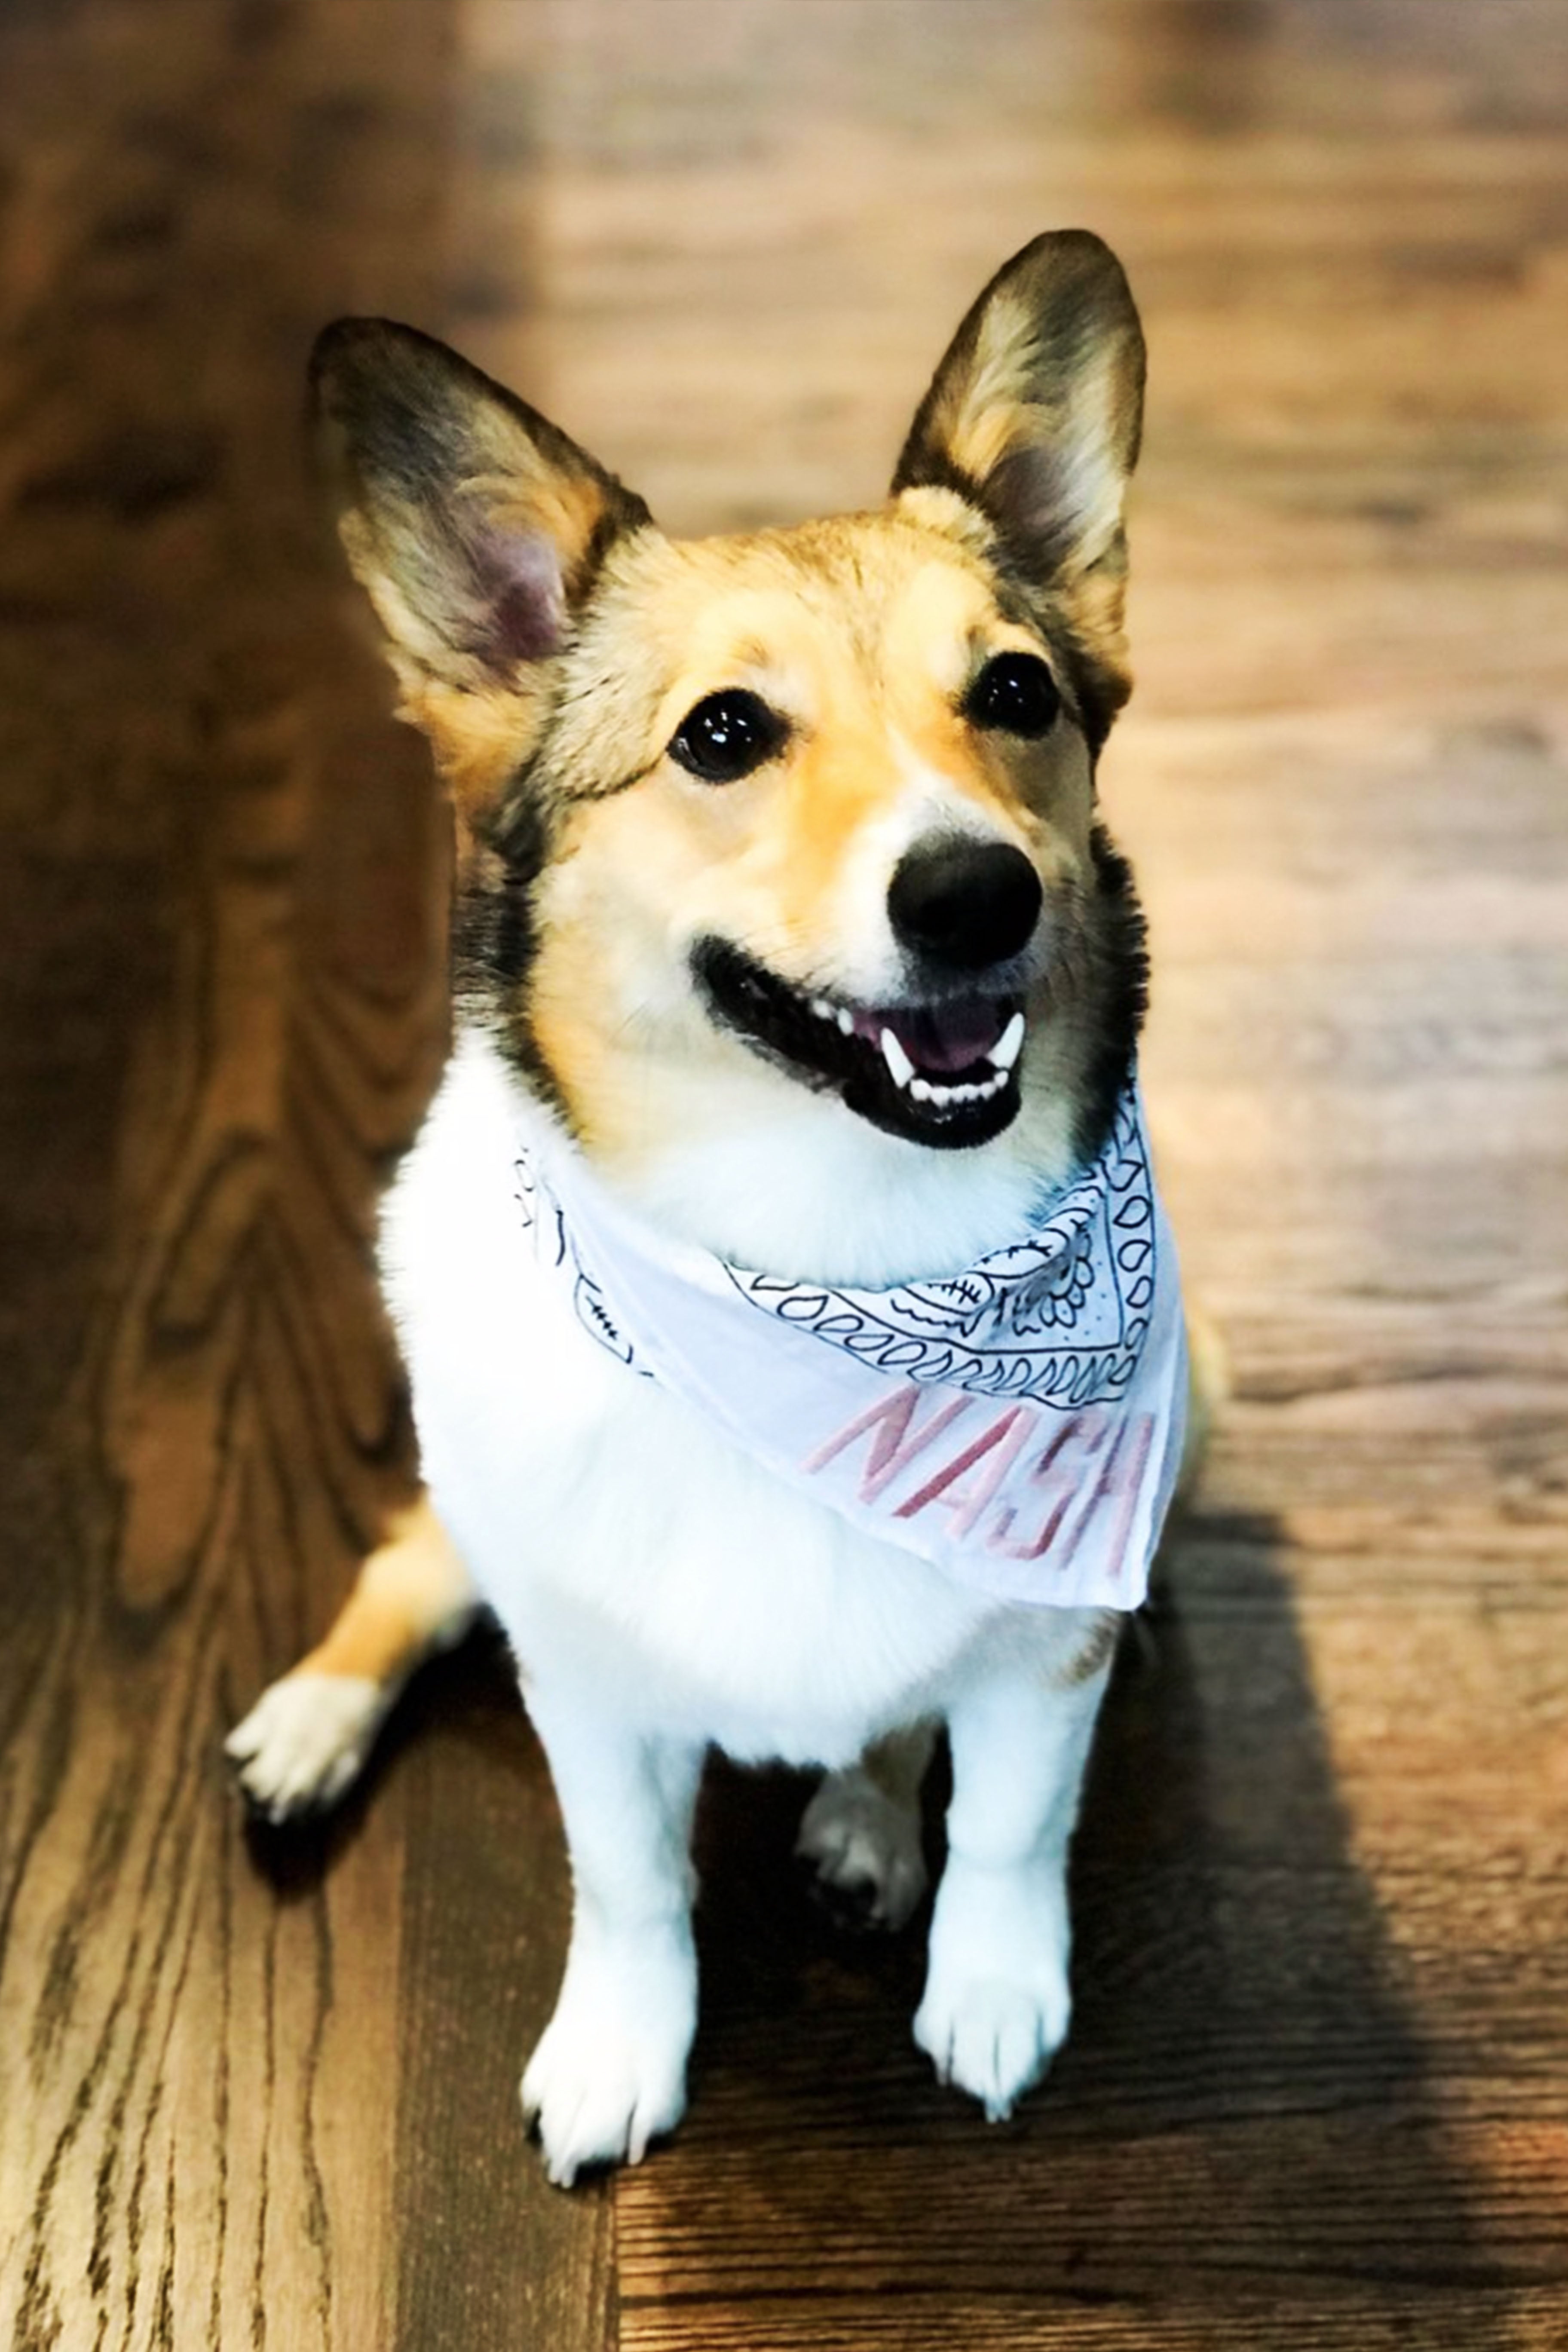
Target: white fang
898, 1061
1009, 1046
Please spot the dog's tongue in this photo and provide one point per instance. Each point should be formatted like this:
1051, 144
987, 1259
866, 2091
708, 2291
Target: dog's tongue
942, 1037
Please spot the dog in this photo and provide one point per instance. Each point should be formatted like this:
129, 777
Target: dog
795, 1350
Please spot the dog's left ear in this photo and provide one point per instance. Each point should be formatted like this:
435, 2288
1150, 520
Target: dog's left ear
475, 526
1034, 418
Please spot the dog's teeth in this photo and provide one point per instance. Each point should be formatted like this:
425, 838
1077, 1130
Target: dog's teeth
940, 1094
822, 1009
898, 1062
1008, 1046
846, 1021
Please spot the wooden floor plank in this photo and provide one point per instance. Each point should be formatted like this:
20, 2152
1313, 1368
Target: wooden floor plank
999, 2322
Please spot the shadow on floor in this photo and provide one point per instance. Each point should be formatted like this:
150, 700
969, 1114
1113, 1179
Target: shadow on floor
1241, 2120
1242, 2114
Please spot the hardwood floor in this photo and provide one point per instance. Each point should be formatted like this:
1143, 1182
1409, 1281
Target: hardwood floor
1317, 2092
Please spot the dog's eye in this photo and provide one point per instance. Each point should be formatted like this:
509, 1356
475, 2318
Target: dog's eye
727, 735
1016, 693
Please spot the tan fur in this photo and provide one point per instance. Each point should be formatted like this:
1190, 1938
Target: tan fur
480, 738
1024, 387
862, 633
1037, 403
405, 1598
1099, 1646
978, 413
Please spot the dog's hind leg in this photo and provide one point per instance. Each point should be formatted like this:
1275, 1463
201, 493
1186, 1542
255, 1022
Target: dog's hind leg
861, 1833
305, 1740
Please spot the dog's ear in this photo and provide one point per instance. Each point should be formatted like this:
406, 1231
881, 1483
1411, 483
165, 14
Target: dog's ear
1034, 418
474, 525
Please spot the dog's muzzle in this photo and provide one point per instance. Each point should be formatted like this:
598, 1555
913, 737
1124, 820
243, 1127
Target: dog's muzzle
942, 1071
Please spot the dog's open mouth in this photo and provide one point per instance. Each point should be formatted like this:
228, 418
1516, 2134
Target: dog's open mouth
943, 1073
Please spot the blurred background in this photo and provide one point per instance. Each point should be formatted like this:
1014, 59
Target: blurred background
1316, 2090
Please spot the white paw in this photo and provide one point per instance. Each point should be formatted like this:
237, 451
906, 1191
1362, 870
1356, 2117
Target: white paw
609, 2073
305, 1740
864, 1848
997, 2002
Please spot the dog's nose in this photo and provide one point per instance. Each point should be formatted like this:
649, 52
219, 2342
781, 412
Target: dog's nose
965, 904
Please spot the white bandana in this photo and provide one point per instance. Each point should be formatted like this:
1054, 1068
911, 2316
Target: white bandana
1020, 1424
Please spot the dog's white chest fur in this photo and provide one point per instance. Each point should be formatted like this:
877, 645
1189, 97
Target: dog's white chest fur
621, 1539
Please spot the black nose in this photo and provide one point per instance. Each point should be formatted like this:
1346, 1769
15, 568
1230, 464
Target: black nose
965, 904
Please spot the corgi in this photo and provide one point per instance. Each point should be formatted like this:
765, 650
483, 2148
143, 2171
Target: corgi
774, 1265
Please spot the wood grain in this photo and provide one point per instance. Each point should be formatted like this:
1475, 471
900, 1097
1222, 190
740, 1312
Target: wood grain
225, 937
264, 2094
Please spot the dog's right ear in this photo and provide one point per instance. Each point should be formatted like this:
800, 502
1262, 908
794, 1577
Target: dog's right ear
1033, 418
475, 527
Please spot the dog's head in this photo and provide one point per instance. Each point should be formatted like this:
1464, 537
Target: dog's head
794, 825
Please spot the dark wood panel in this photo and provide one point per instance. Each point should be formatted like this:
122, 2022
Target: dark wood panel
488, 2257
221, 948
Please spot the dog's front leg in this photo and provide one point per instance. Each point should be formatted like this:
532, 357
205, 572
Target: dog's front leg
610, 2071
996, 2003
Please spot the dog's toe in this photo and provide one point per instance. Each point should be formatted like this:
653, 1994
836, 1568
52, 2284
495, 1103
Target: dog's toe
996, 2003
304, 1742
994, 2039
589, 2118
610, 2074
600, 2088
